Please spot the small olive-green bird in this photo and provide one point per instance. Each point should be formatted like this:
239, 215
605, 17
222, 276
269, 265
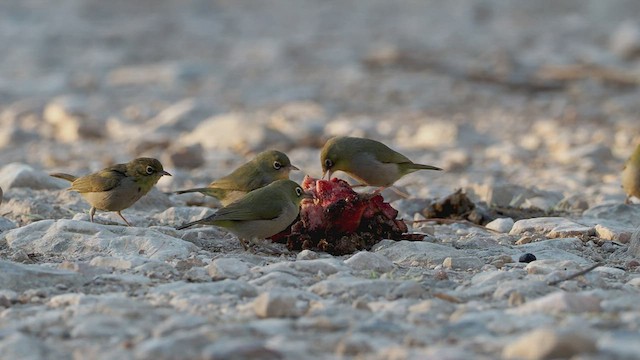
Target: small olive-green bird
631, 175
368, 161
261, 213
267, 167
117, 187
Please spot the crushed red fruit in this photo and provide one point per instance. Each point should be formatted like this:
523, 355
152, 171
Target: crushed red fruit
340, 221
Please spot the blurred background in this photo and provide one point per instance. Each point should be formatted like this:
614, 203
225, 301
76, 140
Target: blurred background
487, 89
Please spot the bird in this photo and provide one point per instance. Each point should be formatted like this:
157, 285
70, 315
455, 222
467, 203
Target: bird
368, 161
259, 214
265, 168
631, 176
117, 187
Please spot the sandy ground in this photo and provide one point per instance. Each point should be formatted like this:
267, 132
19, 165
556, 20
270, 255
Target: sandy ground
525, 104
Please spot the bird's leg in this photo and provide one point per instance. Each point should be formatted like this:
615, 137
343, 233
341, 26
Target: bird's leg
244, 244
125, 220
91, 213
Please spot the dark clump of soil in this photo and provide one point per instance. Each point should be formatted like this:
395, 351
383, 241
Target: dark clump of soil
458, 206
340, 221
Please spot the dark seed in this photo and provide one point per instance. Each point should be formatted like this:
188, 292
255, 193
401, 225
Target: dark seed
527, 258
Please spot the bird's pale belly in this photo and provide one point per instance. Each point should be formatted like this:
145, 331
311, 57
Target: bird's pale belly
374, 173
120, 198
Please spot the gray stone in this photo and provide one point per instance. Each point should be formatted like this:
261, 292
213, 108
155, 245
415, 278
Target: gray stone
529, 289
186, 344
326, 266
542, 344
241, 349
355, 287
245, 132
197, 274
555, 249
227, 268
119, 263
501, 225
414, 253
620, 344
13, 137
177, 323
553, 227
513, 195
547, 266
6, 224
72, 120
560, 303
593, 155
277, 279
607, 232
463, 263
186, 157
629, 215
103, 326
83, 238
307, 254
25, 347
275, 304
17, 175
625, 40
19, 277
634, 244
303, 122
224, 287
369, 261
157, 270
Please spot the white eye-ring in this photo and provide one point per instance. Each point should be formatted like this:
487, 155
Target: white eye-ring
277, 165
299, 191
328, 163
150, 170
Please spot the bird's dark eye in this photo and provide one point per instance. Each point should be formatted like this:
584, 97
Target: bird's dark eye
328, 163
299, 191
277, 165
150, 170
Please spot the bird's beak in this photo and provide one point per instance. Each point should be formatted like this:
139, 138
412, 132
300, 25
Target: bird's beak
328, 173
293, 167
308, 195
162, 173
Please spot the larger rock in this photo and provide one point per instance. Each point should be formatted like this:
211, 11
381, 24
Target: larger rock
80, 238
19, 277
416, 253
237, 131
72, 120
623, 214
549, 344
16, 175
560, 303
553, 227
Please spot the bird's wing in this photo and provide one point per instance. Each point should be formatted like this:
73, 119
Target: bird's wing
249, 208
388, 155
103, 180
242, 179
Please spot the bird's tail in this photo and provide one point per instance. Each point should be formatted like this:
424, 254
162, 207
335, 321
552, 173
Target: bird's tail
64, 176
189, 224
216, 193
200, 190
424, 167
